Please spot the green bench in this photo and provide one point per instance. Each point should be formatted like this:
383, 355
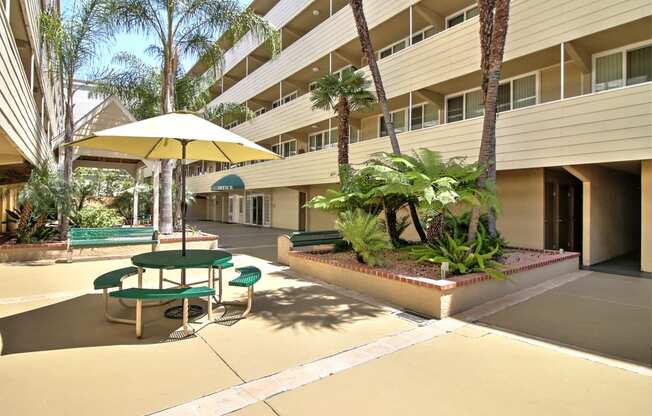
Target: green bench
185, 293
248, 277
314, 238
114, 236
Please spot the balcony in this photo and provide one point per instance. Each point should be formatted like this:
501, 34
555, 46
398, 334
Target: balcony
450, 54
608, 126
20, 120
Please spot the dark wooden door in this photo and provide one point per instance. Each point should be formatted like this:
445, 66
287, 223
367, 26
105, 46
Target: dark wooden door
564, 216
549, 219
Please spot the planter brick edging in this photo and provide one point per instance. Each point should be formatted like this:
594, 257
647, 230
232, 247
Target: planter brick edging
444, 284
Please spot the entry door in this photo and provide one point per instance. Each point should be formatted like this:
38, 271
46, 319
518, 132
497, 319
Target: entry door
550, 218
564, 218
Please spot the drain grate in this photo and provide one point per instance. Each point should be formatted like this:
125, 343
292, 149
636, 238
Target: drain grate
412, 317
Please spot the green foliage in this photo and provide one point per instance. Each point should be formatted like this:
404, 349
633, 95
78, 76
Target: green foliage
365, 234
352, 86
97, 216
462, 258
30, 227
458, 227
47, 192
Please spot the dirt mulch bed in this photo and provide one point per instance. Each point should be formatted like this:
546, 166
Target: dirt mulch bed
399, 262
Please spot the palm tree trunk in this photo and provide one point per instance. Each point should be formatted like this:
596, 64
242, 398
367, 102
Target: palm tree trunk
167, 106
493, 33
64, 222
368, 51
343, 116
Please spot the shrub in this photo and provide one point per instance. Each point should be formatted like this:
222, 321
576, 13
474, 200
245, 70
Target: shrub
30, 227
365, 234
97, 216
462, 258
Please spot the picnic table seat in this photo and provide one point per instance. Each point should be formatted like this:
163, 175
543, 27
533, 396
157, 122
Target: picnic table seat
184, 293
249, 275
113, 279
110, 236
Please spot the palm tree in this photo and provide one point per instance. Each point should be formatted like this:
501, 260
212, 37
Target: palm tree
368, 50
138, 86
186, 28
494, 19
342, 94
73, 41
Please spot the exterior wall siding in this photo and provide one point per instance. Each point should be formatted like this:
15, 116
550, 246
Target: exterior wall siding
455, 52
603, 127
19, 117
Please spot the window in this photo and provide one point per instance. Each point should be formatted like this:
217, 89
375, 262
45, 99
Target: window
462, 16
316, 142
504, 97
284, 100
609, 72
455, 109
260, 111
424, 115
285, 149
392, 49
323, 140
525, 91
473, 105
639, 65
398, 118
513, 93
628, 66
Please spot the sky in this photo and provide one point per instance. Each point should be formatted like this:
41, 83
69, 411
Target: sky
134, 43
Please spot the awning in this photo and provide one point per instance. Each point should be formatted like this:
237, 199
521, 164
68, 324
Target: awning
228, 183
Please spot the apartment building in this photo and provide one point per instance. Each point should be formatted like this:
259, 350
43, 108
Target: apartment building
574, 132
31, 97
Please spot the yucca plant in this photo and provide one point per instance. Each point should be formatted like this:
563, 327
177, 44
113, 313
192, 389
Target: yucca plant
366, 235
30, 227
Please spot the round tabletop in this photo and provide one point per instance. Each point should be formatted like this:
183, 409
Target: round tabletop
172, 259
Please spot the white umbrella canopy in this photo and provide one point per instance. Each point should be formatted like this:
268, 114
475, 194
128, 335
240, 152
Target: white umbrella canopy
161, 137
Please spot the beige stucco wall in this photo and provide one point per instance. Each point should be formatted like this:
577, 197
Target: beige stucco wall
285, 208
646, 216
317, 219
521, 195
610, 212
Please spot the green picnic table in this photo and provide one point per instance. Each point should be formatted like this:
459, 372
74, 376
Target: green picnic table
175, 260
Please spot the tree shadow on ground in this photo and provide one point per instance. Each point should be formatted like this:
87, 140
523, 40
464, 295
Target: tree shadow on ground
310, 306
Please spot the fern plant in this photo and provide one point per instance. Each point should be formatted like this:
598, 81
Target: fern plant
366, 235
462, 258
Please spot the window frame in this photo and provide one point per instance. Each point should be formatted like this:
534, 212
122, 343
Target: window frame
281, 101
281, 145
623, 53
537, 89
407, 40
458, 13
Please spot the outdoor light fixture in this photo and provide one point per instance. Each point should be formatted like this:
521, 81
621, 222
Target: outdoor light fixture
315, 69
315, 12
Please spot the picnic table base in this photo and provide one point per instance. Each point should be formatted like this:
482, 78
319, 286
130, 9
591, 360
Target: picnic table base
176, 312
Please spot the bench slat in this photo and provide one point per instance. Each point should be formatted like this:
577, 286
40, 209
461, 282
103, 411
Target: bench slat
163, 294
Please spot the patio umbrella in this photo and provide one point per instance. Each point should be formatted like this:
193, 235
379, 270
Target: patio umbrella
179, 135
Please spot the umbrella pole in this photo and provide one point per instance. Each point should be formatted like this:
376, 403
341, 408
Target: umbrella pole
183, 197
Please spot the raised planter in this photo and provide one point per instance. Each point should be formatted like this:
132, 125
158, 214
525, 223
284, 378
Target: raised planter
58, 250
431, 297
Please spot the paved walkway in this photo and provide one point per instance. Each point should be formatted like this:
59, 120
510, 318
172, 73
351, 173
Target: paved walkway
244, 239
308, 348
